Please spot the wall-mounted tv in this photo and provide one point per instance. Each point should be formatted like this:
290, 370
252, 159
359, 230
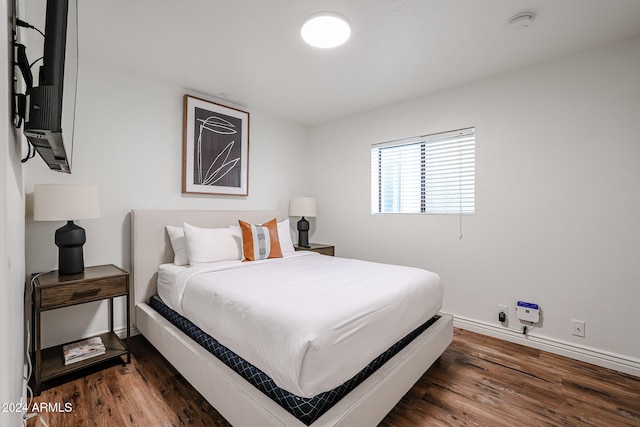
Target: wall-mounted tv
50, 104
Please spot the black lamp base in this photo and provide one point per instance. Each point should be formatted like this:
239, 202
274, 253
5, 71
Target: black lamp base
70, 239
303, 233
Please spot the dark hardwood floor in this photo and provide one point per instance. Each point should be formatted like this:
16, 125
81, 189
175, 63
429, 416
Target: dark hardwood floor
478, 381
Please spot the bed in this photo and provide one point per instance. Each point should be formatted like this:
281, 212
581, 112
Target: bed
241, 403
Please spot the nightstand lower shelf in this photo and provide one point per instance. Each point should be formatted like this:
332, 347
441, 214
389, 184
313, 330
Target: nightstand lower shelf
52, 358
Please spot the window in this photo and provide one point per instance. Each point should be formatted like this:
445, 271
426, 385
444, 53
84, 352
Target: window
432, 174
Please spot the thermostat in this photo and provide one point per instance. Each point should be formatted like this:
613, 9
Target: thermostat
528, 311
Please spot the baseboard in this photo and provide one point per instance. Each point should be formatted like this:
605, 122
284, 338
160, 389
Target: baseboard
596, 357
122, 332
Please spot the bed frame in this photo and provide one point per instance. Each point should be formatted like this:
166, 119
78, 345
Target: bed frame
237, 400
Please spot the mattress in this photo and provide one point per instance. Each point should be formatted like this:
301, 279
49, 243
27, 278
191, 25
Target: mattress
307, 410
308, 321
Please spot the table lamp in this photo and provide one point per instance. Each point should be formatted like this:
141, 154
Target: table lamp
66, 202
303, 206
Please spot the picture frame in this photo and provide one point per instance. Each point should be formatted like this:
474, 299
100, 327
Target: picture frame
215, 148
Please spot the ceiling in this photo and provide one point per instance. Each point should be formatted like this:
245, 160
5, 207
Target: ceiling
251, 50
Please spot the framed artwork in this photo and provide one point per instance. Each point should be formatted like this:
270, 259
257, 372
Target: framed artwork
215, 149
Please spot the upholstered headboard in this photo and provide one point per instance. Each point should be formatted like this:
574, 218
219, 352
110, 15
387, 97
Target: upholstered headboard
150, 245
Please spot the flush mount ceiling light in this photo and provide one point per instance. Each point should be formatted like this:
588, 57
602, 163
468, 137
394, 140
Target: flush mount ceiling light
520, 21
325, 30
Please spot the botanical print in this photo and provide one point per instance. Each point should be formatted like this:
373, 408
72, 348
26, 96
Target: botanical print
215, 148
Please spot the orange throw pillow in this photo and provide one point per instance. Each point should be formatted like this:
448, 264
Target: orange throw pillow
260, 241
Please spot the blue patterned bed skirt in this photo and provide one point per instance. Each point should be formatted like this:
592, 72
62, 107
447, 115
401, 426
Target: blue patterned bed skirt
307, 410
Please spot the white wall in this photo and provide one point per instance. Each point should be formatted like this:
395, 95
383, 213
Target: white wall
557, 199
12, 269
128, 142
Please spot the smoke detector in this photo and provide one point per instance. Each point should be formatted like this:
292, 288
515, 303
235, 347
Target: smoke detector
520, 21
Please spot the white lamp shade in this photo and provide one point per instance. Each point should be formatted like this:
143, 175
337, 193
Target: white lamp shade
302, 206
65, 202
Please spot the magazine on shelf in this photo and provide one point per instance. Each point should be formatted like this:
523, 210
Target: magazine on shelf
83, 350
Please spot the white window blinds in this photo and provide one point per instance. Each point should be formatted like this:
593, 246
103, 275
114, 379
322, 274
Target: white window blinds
432, 174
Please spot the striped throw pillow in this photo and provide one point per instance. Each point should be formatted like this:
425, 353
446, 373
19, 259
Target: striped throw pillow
260, 241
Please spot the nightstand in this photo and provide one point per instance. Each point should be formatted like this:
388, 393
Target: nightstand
52, 291
317, 247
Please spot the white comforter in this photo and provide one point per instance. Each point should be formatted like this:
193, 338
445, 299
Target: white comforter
309, 321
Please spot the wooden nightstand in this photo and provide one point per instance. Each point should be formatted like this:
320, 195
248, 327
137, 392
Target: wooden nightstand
317, 247
52, 291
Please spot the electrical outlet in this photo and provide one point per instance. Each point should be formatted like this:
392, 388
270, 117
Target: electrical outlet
503, 309
577, 328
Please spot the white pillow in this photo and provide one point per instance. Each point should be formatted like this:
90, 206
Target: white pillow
284, 235
176, 236
212, 244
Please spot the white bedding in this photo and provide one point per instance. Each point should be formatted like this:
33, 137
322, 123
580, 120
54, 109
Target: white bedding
308, 321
